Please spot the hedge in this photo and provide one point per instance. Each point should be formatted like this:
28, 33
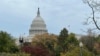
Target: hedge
14, 54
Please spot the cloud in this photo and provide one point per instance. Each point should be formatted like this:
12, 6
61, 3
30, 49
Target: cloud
17, 15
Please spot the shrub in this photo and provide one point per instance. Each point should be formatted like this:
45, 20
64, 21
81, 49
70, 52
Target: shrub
14, 54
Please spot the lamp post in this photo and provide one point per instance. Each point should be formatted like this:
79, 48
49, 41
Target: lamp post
21, 40
81, 45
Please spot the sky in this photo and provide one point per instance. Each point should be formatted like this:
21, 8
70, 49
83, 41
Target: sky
16, 15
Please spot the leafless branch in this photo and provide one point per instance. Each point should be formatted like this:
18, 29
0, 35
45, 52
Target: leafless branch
93, 14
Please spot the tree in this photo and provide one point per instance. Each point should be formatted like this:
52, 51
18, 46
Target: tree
72, 39
91, 42
47, 40
97, 48
76, 52
37, 50
97, 45
95, 7
87, 42
7, 43
62, 40
97, 39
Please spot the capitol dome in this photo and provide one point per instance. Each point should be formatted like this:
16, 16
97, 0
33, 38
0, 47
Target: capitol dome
38, 25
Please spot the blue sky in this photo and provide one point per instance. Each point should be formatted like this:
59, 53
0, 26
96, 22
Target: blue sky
17, 15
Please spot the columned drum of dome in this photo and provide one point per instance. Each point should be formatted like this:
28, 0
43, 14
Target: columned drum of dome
38, 25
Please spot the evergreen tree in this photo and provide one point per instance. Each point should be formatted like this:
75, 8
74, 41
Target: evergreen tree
62, 40
72, 39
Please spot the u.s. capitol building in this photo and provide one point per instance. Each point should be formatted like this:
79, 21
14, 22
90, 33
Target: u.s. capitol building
37, 27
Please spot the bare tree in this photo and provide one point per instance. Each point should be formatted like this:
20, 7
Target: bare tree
95, 7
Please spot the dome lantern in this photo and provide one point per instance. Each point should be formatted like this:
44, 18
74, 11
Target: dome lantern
38, 12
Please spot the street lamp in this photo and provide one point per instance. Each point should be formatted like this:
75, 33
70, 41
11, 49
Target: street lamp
81, 45
21, 40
